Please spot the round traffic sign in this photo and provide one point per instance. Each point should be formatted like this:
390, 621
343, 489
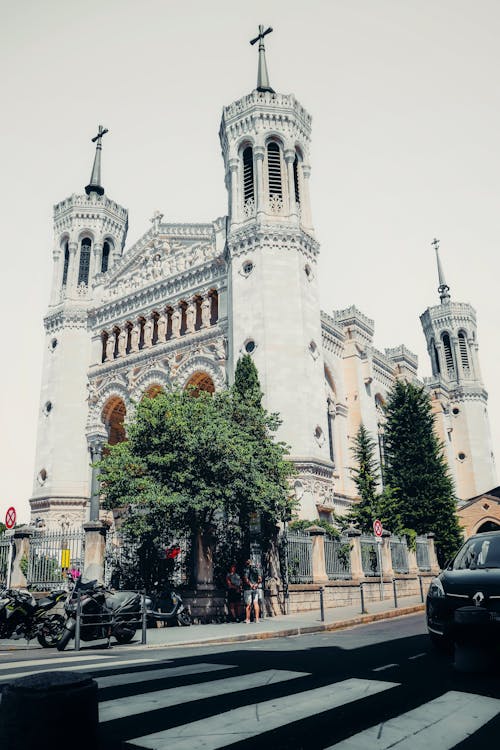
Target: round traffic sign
377, 527
10, 517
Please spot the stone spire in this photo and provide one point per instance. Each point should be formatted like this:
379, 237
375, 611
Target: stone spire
94, 185
443, 287
262, 74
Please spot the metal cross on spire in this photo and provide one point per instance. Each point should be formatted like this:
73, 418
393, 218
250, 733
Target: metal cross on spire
262, 74
443, 287
94, 185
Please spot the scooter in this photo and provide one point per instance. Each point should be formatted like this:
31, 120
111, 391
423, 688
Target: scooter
166, 607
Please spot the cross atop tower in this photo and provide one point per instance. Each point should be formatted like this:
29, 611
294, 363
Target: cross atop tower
262, 74
94, 185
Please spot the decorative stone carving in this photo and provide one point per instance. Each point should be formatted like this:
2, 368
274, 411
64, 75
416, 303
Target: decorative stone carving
190, 317
110, 347
135, 335
176, 324
122, 343
206, 310
148, 333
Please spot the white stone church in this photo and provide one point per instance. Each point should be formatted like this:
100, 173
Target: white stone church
182, 304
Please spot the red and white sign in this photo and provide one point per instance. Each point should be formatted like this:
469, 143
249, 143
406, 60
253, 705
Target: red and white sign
377, 527
10, 518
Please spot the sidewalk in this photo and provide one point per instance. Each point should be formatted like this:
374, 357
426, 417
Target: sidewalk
270, 627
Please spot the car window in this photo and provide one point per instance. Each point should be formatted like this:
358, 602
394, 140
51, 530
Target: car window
478, 553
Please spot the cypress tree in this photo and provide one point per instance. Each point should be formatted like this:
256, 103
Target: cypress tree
366, 479
415, 468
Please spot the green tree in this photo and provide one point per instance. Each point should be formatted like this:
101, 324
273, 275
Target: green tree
422, 496
194, 465
366, 478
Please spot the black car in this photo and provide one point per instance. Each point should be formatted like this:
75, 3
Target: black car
463, 602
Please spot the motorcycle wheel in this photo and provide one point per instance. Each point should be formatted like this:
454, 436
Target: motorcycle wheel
184, 618
51, 631
64, 639
125, 635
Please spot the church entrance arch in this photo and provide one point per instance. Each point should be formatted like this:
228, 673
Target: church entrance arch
200, 381
113, 418
488, 526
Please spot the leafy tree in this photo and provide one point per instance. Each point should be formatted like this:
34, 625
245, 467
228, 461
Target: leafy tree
196, 465
422, 495
303, 524
366, 478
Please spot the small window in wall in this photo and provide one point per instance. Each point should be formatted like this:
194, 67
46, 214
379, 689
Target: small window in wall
83, 271
308, 272
248, 178
462, 345
47, 408
106, 249
66, 264
455, 410
42, 477
53, 344
318, 434
461, 456
250, 346
247, 267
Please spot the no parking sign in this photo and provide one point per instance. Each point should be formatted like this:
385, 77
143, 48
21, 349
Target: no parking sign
10, 517
377, 527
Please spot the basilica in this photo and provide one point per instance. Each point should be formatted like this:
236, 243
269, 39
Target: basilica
183, 303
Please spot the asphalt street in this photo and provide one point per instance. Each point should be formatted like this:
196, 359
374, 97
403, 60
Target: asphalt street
373, 686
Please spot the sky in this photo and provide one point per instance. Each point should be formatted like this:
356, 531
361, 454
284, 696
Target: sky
404, 97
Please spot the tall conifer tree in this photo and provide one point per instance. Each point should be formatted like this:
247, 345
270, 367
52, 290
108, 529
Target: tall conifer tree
366, 479
423, 493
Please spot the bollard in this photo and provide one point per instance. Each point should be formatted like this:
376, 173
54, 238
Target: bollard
38, 711
362, 593
421, 589
322, 602
78, 620
144, 620
394, 586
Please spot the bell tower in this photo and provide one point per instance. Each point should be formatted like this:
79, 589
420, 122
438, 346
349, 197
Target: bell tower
458, 393
89, 235
272, 253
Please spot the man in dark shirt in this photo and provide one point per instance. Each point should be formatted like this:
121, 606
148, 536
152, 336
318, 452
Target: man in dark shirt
251, 582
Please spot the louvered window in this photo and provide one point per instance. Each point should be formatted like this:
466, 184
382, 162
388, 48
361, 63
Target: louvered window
105, 257
83, 271
66, 264
274, 170
462, 345
436, 358
448, 354
248, 181
296, 179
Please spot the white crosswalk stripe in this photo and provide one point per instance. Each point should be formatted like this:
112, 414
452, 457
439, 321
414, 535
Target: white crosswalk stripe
441, 723
251, 720
160, 674
58, 660
77, 668
140, 704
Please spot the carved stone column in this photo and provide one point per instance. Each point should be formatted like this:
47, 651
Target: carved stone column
355, 545
20, 553
122, 342
135, 336
110, 347
72, 267
306, 201
162, 328
176, 323
317, 535
259, 153
206, 312
148, 334
95, 548
289, 160
95, 260
234, 174
190, 317
95, 449
435, 567
57, 272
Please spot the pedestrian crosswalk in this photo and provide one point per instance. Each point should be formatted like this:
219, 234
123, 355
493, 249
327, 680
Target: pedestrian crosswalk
191, 704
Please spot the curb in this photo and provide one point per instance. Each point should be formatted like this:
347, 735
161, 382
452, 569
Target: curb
285, 632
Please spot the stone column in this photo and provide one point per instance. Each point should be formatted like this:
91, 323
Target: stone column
412, 563
57, 271
95, 261
306, 199
355, 545
95, 548
135, 336
176, 323
21, 541
110, 347
148, 334
235, 208
122, 342
435, 567
259, 153
317, 535
206, 311
162, 328
95, 448
190, 317
72, 268
386, 556
289, 160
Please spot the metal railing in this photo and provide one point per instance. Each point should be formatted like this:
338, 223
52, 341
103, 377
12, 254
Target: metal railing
52, 554
337, 558
5, 543
423, 559
399, 554
369, 556
299, 558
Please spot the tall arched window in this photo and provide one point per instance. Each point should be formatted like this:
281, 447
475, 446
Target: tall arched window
83, 271
274, 173
435, 358
462, 345
248, 181
106, 249
296, 179
448, 353
66, 264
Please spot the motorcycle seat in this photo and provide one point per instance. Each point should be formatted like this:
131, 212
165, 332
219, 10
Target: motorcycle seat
120, 598
45, 602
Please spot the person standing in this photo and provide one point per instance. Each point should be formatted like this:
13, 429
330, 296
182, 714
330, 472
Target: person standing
233, 584
251, 581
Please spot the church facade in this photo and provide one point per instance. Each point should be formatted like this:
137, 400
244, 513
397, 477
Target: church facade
181, 305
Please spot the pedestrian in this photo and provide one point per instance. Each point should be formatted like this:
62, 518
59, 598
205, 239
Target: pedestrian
251, 581
233, 584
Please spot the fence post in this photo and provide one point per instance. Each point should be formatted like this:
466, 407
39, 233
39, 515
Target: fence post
78, 620
144, 623
421, 588
386, 554
355, 552
21, 550
95, 549
317, 535
435, 568
394, 589
322, 603
412, 562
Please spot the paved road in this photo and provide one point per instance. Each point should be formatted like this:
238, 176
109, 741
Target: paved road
374, 686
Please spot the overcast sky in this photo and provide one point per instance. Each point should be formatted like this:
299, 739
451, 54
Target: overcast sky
404, 97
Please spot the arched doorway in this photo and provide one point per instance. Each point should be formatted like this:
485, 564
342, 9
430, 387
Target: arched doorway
113, 418
488, 526
200, 381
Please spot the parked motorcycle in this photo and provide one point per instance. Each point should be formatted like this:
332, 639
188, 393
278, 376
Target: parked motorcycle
23, 616
104, 614
166, 606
